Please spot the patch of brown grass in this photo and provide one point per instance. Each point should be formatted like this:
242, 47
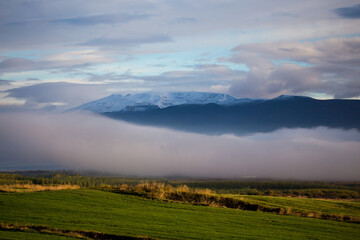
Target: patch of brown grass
34, 187
206, 197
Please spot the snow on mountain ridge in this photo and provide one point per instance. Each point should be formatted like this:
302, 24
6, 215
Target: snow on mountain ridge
138, 102
288, 97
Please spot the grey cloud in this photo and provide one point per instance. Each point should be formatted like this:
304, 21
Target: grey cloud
22, 64
52, 24
5, 82
168, 81
328, 66
90, 142
284, 14
14, 64
344, 51
294, 79
102, 19
86, 20
60, 96
63, 25
44, 92
49, 25
103, 77
185, 20
287, 79
198, 77
70, 94
23, 10
128, 41
348, 12
11, 108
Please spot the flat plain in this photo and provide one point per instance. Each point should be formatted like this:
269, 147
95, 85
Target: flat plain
129, 215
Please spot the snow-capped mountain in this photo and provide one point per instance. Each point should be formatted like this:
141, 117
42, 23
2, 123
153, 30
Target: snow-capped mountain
146, 101
191, 111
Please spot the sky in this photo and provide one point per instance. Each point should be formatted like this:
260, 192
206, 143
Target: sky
58, 54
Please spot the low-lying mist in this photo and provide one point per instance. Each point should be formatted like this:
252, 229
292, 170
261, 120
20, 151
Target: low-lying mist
91, 142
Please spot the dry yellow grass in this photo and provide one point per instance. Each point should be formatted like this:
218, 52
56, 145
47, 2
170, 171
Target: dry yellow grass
160, 188
34, 187
209, 198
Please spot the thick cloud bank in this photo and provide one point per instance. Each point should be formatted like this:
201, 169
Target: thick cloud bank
90, 142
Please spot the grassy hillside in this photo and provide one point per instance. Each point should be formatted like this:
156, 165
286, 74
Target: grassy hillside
126, 215
331, 190
311, 189
351, 208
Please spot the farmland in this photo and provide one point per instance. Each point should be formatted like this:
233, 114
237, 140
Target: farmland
102, 211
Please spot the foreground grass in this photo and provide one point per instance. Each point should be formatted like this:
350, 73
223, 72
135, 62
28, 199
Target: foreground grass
338, 207
126, 215
16, 235
61, 232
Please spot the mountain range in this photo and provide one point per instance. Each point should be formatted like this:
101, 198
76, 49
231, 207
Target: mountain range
215, 113
151, 101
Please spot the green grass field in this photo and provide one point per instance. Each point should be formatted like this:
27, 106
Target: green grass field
12, 235
350, 208
127, 215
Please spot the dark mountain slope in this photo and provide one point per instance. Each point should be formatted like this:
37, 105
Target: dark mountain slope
255, 116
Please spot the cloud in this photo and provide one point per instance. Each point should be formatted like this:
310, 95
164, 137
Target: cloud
185, 20
60, 96
43, 25
90, 142
327, 66
342, 51
200, 77
86, 20
102, 19
5, 82
73, 39
14, 64
286, 79
348, 12
128, 41
63, 60
46, 96
285, 14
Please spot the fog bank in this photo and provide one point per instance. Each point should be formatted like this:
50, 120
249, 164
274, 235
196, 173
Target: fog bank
91, 142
